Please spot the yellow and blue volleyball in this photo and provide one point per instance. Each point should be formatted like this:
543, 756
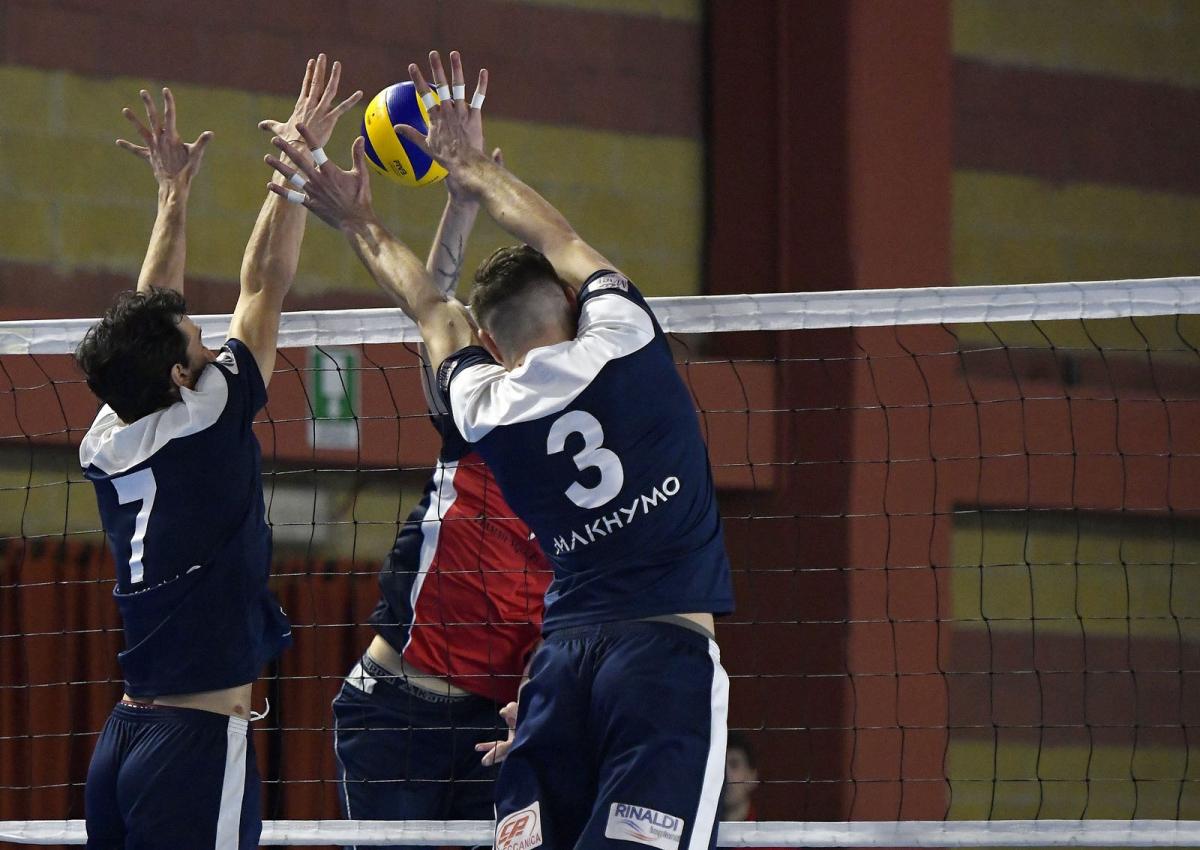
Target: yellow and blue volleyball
389, 153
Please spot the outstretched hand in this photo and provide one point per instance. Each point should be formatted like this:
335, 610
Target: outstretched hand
171, 159
315, 107
455, 136
339, 198
495, 752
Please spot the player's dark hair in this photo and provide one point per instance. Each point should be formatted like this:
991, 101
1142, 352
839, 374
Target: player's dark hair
509, 273
128, 355
739, 741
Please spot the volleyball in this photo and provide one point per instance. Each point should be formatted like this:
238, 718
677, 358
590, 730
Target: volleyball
388, 153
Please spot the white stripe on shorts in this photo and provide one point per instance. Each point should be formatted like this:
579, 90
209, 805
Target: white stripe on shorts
714, 769
233, 788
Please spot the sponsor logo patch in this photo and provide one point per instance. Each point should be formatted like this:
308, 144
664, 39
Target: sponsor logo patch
522, 830
627, 822
610, 281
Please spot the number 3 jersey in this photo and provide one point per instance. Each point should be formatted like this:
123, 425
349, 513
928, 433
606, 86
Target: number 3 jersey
595, 444
180, 497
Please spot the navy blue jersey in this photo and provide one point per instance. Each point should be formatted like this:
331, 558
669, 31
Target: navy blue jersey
180, 496
596, 445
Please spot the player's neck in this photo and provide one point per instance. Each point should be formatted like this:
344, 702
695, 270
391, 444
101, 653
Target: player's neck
552, 336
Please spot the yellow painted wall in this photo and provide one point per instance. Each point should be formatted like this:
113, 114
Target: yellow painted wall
1014, 229
1068, 577
1022, 780
1011, 228
71, 199
1130, 39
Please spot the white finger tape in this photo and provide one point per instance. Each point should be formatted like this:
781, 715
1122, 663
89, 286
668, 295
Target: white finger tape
443, 91
460, 92
319, 158
295, 197
298, 180
477, 101
429, 100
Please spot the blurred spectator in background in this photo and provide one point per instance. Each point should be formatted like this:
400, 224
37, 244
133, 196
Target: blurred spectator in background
741, 780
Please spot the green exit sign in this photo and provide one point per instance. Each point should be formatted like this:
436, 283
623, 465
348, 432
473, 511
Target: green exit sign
334, 397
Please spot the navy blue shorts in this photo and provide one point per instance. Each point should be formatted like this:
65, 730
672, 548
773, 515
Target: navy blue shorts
620, 740
407, 754
173, 778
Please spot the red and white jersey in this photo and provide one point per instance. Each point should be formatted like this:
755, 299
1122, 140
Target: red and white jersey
463, 587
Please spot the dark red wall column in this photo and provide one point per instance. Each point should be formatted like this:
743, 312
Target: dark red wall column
829, 151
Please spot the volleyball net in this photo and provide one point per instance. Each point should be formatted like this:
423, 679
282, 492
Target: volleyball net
964, 524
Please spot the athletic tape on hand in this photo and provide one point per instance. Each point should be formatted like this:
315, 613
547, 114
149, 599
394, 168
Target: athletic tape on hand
319, 158
443, 91
477, 101
298, 180
295, 197
460, 92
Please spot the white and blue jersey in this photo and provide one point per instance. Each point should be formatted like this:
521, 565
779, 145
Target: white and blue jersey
180, 497
595, 444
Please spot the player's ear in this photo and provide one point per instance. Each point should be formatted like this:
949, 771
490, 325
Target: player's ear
490, 344
180, 376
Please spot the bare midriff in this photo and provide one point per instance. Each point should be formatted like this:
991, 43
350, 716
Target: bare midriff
233, 701
382, 653
703, 620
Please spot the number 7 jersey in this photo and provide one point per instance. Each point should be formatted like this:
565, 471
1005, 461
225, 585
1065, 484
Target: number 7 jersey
180, 498
595, 444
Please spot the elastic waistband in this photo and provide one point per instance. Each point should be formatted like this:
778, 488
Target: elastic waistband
173, 713
367, 667
627, 627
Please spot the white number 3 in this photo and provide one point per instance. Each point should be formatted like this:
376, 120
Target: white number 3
138, 487
593, 455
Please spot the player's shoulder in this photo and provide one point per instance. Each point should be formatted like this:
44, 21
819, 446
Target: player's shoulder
608, 282
234, 357
113, 446
612, 308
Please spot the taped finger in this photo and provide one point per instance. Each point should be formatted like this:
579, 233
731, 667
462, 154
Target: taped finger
298, 180
295, 197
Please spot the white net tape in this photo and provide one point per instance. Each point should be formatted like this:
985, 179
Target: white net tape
1005, 833
717, 313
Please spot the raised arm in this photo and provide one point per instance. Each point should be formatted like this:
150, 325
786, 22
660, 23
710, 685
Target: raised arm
273, 252
515, 206
449, 248
342, 199
174, 164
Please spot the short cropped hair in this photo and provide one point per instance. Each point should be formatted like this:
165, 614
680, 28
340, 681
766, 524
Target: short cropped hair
510, 273
128, 355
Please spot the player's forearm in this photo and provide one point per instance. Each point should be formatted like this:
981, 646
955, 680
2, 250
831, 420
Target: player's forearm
273, 252
397, 270
449, 249
167, 251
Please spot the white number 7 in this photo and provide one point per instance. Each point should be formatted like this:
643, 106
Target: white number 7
138, 487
